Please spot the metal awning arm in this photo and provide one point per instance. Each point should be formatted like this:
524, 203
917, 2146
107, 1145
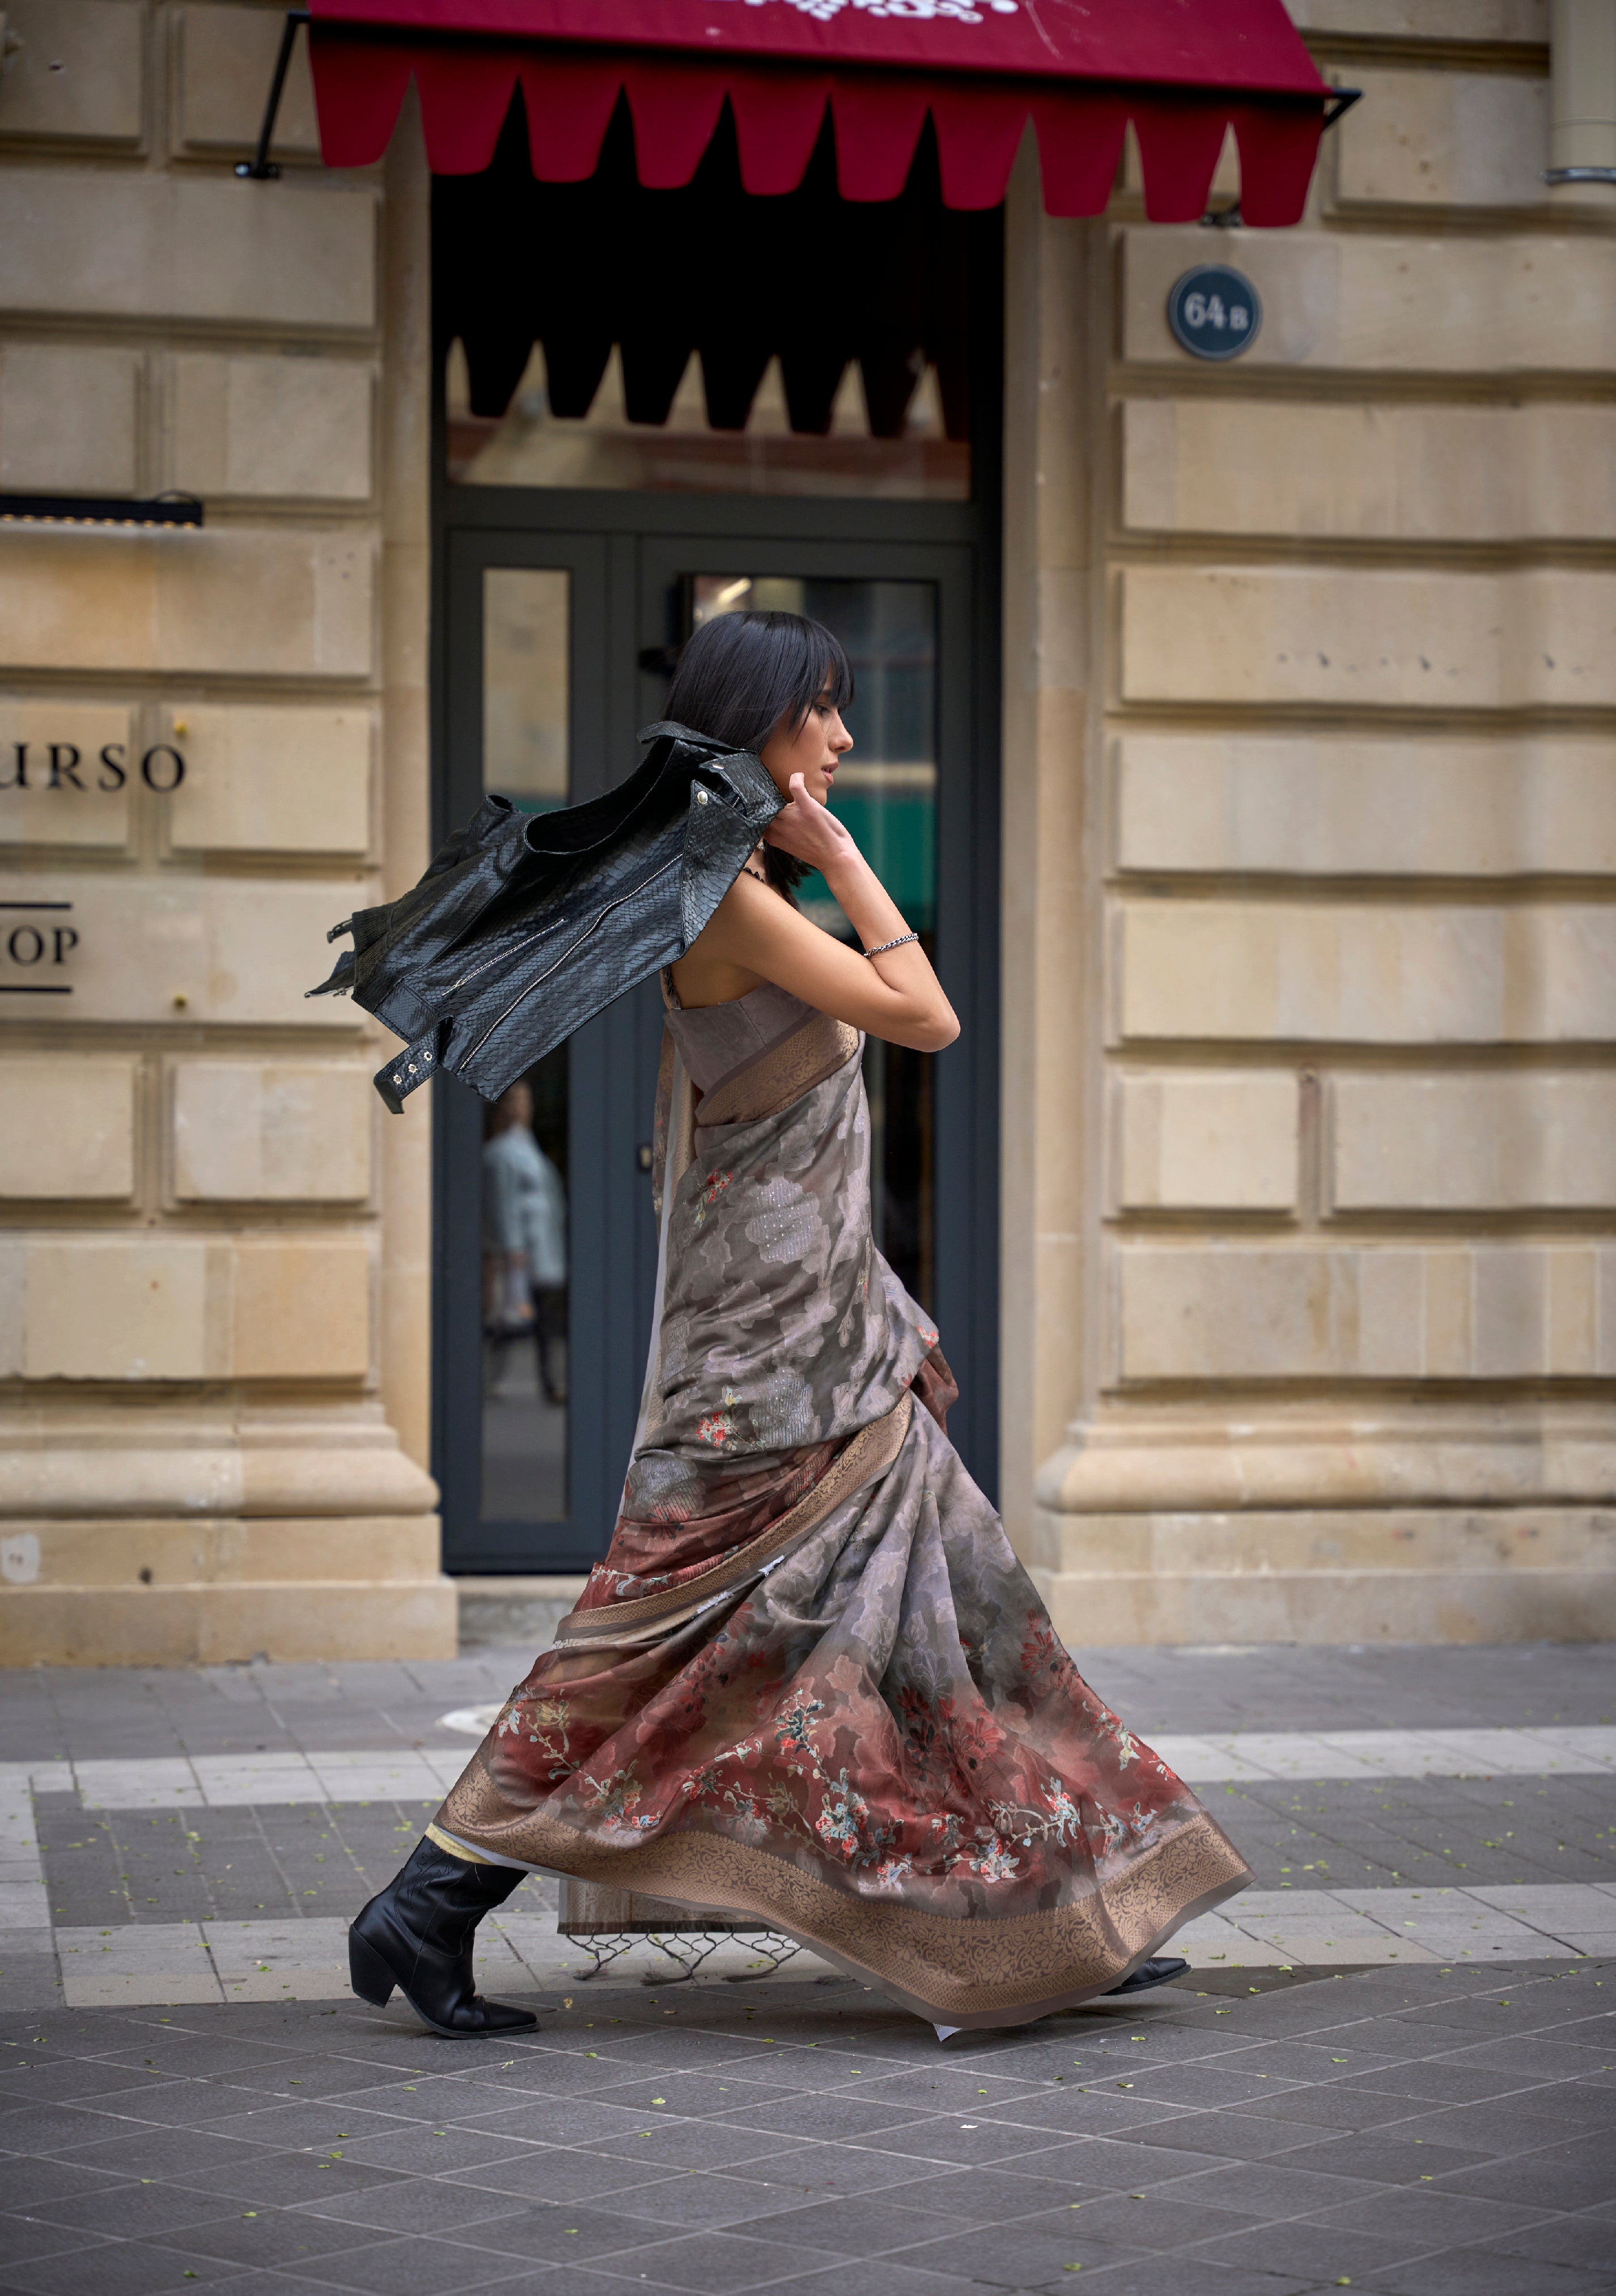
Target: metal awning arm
261, 168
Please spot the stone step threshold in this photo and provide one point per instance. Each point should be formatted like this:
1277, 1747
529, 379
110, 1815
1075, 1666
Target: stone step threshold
172, 1963
426, 1773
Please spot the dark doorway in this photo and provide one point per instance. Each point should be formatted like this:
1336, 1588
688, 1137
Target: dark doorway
557, 608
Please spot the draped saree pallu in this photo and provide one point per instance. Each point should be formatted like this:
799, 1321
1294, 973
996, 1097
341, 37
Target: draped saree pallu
810, 1683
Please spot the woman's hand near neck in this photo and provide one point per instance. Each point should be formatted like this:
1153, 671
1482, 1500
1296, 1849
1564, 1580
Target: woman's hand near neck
755, 935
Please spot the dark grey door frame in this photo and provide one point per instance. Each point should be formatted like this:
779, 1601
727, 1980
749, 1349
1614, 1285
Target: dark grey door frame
619, 548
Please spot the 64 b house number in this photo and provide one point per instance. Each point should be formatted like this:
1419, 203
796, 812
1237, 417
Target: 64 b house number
61, 765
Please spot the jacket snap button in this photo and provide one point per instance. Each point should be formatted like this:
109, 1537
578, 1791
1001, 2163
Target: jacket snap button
701, 797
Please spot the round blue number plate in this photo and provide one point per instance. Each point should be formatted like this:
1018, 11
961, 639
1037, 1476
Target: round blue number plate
1214, 312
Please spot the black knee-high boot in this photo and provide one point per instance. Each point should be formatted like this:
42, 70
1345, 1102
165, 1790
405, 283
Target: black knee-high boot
418, 1933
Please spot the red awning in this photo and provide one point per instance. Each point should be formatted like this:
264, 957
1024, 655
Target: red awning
1184, 71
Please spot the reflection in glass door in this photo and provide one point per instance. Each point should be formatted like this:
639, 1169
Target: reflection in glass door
887, 792
526, 750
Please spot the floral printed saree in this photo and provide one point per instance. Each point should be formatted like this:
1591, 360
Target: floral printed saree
811, 1685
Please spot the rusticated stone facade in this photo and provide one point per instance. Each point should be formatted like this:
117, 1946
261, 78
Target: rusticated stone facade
212, 1257
1311, 1276
1310, 1267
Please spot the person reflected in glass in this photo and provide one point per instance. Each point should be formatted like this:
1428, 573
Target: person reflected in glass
524, 1227
811, 1681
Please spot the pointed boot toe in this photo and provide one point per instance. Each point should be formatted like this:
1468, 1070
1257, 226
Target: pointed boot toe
1161, 1970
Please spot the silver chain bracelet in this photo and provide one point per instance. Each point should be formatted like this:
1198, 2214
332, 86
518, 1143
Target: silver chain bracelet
886, 945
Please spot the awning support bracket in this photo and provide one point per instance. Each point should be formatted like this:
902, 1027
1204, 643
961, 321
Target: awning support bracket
261, 168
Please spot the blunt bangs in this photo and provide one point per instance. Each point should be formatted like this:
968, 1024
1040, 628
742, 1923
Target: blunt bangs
742, 676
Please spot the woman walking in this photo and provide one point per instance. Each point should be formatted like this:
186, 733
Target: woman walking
810, 1683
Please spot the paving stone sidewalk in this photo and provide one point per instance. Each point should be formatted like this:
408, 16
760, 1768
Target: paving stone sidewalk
1443, 2129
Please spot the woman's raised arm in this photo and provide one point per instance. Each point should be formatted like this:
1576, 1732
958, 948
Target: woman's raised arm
894, 995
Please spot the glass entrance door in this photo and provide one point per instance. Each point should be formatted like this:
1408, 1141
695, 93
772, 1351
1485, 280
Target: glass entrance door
559, 647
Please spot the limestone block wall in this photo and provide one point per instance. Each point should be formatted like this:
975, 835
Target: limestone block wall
1312, 667
212, 1262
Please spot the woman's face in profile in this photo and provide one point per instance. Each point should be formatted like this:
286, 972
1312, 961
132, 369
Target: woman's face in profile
813, 750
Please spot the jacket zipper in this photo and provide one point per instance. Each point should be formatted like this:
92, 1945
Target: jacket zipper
472, 971
500, 1019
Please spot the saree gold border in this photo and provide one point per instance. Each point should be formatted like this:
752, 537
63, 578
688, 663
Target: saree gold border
769, 1083
869, 1454
956, 1971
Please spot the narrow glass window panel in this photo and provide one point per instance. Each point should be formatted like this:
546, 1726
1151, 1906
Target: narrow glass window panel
886, 791
526, 1245
526, 632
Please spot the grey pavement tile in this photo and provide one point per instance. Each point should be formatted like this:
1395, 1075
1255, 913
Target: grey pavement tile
1268, 2188
1148, 2220
1585, 2240
833, 2168
880, 2276
1484, 2271
291, 2282
61, 2079
1235, 2135
24, 2237
717, 2263
430, 2151
551, 2172
130, 2210
1335, 2108
1080, 2111
198, 2055
694, 2144
430, 2096
411, 2204
50, 2128
993, 2195
1206, 2085
119, 2268
172, 2104
413, 2267
26, 2184
1118, 2165
559, 2121
267, 2239
1436, 2079
564, 2072
1528, 2055
866, 2226
1429, 2215
835, 2115
1506, 2125
288, 2128
1010, 2256
286, 2179
1318, 2255
946, 2142
696, 2095
1330, 2059
1576, 2175
1163, 2275
1388, 2156
697, 2199
567, 2233
166, 2152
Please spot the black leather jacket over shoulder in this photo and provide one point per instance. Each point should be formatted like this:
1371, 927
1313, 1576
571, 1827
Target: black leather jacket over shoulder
526, 925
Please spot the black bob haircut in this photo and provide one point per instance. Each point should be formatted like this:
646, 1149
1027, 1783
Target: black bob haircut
741, 677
